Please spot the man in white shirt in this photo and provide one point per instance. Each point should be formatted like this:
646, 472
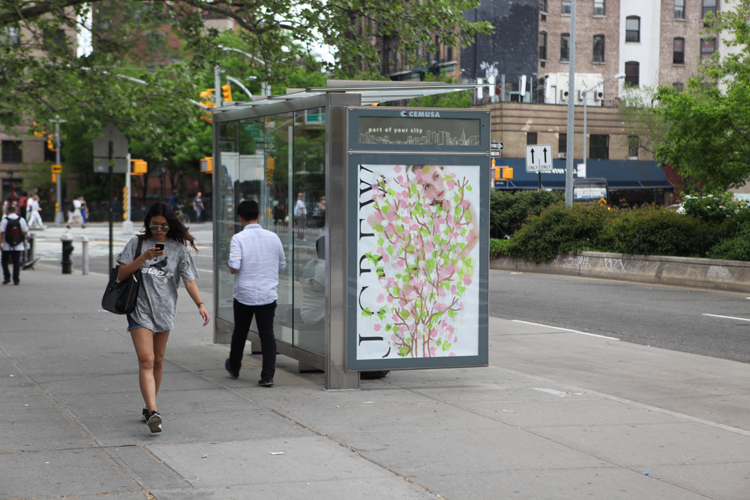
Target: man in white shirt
75, 216
13, 230
256, 256
300, 215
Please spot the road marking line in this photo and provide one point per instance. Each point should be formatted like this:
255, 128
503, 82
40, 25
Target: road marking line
566, 330
206, 270
726, 317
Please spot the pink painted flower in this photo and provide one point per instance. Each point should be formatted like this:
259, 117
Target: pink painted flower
433, 351
377, 327
467, 279
381, 298
397, 169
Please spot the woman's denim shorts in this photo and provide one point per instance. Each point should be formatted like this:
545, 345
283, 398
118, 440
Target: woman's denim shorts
132, 324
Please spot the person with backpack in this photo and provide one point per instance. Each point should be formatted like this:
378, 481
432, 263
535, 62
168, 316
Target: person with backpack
13, 231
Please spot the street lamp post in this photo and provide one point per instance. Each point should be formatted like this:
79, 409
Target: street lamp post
59, 219
585, 101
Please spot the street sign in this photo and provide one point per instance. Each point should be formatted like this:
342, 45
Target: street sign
501, 184
539, 158
111, 142
496, 145
495, 153
121, 166
56, 169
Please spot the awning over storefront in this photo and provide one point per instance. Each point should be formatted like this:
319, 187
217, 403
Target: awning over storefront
620, 174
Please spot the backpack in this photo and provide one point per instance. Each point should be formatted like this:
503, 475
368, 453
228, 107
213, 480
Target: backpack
13, 233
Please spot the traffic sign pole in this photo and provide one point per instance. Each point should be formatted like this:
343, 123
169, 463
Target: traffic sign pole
127, 225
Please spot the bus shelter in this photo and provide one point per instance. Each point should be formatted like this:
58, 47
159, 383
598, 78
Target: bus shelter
383, 213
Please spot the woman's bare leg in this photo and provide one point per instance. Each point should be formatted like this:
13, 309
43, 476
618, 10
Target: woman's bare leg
149, 348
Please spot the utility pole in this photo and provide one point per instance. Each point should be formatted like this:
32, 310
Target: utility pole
570, 160
59, 219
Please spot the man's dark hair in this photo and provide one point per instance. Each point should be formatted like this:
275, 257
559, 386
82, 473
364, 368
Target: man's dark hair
248, 210
11, 210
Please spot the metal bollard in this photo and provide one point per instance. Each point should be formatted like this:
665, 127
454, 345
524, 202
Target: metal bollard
67, 249
85, 254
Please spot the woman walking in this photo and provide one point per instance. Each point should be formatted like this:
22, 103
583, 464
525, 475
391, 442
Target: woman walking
164, 260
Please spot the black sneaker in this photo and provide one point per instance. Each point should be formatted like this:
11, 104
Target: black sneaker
154, 421
5, 282
144, 414
265, 383
232, 373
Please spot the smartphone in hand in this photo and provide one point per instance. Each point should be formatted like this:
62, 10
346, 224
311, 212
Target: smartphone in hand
160, 246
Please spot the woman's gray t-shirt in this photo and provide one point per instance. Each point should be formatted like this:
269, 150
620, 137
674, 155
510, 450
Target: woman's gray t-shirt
156, 307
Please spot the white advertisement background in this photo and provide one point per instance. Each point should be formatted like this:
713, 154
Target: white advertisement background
466, 322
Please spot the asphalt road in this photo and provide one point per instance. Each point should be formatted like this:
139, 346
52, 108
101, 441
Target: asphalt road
708, 323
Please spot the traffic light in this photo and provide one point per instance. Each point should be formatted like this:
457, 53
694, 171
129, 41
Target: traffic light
271, 166
226, 93
208, 98
51, 142
38, 130
138, 167
207, 165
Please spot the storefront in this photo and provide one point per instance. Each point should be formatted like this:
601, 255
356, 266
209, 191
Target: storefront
378, 209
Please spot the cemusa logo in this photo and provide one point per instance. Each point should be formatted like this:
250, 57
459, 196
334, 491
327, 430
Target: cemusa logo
420, 114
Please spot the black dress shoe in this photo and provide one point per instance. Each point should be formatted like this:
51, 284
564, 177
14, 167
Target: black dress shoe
232, 373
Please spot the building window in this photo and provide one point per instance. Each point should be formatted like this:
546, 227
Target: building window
679, 9
678, 86
12, 152
633, 29
531, 138
449, 53
566, 6
543, 46
562, 144
632, 70
598, 48
543, 5
678, 51
565, 47
708, 47
599, 8
599, 147
633, 144
10, 35
709, 6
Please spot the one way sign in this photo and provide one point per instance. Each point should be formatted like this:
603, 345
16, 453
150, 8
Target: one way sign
539, 158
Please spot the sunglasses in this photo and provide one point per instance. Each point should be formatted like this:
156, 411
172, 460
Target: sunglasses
163, 229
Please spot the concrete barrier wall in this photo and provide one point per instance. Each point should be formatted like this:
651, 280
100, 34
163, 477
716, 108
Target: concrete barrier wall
700, 273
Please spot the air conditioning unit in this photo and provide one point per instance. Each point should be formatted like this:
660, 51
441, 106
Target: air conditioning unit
580, 95
562, 156
598, 96
563, 96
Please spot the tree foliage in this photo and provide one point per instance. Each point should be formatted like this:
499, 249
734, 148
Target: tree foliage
708, 126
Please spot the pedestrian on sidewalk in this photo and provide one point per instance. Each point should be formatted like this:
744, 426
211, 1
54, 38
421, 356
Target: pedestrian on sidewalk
13, 231
198, 206
300, 215
35, 220
165, 259
76, 217
256, 256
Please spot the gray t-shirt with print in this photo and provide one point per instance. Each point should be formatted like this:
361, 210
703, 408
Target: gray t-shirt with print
156, 307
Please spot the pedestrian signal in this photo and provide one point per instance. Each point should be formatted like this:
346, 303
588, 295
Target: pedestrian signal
138, 167
207, 165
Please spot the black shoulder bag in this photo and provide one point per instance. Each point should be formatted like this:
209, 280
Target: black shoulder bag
120, 296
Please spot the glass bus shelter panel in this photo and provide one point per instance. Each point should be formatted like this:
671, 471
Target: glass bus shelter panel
228, 174
308, 171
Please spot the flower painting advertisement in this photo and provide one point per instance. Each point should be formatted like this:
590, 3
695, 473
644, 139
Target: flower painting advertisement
418, 289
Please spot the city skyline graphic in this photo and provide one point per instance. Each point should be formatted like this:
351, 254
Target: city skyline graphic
428, 138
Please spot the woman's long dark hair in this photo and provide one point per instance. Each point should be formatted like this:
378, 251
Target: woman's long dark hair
177, 230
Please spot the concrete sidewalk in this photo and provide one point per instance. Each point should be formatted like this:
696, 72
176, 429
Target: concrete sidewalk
556, 415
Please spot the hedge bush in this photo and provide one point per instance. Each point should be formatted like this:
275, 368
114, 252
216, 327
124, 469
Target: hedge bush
510, 210
559, 229
734, 248
651, 230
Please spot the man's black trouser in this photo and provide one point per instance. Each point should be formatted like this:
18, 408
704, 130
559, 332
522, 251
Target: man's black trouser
7, 254
243, 317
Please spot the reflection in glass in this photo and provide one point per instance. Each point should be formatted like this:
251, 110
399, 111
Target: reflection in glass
279, 161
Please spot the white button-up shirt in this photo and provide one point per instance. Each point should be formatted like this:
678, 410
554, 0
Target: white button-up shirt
259, 256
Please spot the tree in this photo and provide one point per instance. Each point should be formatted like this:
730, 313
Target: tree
708, 125
42, 75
